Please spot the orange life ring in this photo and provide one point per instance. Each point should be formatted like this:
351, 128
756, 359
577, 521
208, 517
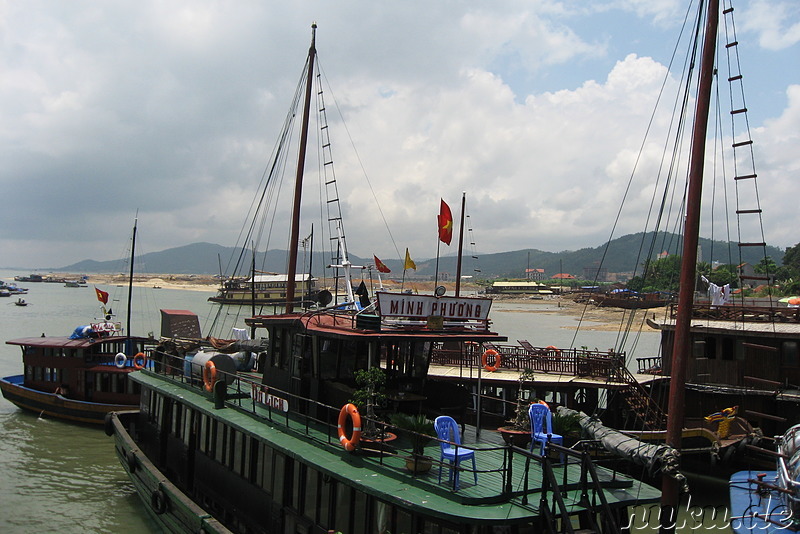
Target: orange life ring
485, 360
554, 349
349, 410
140, 357
209, 375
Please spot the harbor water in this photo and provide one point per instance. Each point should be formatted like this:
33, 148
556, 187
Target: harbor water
62, 477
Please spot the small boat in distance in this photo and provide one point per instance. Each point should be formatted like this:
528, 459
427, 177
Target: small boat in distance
21, 302
264, 289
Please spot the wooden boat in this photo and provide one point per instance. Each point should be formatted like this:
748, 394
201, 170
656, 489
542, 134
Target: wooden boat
81, 379
264, 289
284, 450
83, 376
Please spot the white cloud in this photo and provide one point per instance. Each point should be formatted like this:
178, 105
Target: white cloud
173, 108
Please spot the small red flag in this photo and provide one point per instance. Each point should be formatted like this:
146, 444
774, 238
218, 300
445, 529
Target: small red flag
445, 223
382, 268
102, 296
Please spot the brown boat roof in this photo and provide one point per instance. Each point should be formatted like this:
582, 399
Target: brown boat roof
66, 342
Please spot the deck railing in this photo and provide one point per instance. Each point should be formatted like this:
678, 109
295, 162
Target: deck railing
571, 361
736, 312
502, 477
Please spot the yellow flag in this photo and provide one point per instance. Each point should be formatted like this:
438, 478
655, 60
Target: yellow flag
409, 262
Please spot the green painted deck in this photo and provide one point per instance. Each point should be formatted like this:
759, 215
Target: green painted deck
499, 494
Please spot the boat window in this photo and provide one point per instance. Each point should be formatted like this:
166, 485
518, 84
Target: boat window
144, 402
279, 473
728, 349
311, 494
403, 521
789, 354
328, 359
344, 501
187, 424
202, 439
238, 452
710, 350
298, 488
267, 465
361, 515
327, 488
219, 446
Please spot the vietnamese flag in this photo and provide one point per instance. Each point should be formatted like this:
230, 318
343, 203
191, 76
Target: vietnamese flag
382, 268
445, 223
102, 296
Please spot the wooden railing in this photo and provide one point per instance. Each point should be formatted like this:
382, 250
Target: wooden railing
571, 361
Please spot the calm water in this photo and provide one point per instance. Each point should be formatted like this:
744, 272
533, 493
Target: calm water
62, 477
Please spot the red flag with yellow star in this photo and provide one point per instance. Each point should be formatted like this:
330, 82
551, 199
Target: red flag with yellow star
445, 223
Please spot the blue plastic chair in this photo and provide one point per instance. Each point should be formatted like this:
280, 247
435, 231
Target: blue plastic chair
542, 427
447, 430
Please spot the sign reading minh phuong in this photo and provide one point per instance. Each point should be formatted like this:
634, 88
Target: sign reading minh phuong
424, 306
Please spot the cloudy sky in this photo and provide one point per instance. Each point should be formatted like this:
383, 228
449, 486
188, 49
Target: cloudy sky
535, 108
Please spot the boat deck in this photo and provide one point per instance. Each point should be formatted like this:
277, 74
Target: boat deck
515, 483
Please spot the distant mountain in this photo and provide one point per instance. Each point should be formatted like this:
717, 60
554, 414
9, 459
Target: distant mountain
621, 256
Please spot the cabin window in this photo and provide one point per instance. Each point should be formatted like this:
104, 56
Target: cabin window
728, 346
344, 500
790, 354
279, 473
327, 486
403, 521
250, 454
361, 515
220, 431
328, 359
298, 487
267, 467
187, 424
175, 423
710, 348
311, 505
144, 402
202, 438
239, 452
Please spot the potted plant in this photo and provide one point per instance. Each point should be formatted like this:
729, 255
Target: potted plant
367, 397
419, 430
568, 426
518, 431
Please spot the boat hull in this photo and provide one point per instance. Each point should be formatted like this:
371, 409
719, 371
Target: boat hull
54, 405
169, 507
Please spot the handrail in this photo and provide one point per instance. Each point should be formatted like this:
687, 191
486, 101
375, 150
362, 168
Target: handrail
240, 394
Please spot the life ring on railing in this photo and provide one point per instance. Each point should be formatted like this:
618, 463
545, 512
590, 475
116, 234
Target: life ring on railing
209, 375
120, 359
139, 361
485, 360
349, 410
554, 349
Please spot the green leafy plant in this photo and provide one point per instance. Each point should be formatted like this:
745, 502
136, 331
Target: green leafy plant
419, 430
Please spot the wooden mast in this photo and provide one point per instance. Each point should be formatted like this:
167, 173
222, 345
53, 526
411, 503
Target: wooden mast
681, 343
298, 185
460, 243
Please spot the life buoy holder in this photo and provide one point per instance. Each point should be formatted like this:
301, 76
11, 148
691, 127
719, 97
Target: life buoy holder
349, 410
139, 361
554, 349
485, 360
209, 376
120, 359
